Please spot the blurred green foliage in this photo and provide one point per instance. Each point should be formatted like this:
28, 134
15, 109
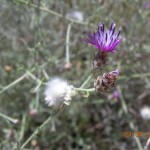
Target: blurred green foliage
35, 40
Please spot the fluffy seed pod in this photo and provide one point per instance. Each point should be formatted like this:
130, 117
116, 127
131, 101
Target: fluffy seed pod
145, 113
58, 92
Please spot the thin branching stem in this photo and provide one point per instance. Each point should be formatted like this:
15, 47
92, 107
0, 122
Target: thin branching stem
131, 124
38, 130
44, 9
13, 83
147, 146
85, 90
9, 118
37, 42
86, 81
68, 44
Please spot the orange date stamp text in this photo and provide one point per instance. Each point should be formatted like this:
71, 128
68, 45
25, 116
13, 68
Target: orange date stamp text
128, 134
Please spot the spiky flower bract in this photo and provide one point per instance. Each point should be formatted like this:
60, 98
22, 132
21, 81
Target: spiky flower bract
58, 92
106, 82
105, 41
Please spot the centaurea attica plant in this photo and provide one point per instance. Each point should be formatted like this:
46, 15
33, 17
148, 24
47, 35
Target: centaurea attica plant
59, 92
105, 41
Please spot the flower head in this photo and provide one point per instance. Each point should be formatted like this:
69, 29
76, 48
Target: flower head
58, 92
106, 82
77, 15
105, 41
145, 112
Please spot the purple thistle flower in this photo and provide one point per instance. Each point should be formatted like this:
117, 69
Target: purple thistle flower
105, 41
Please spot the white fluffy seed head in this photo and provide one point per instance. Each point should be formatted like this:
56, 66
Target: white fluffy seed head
77, 15
58, 92
145, 112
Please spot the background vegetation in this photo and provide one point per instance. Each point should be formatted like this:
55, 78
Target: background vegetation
33, 49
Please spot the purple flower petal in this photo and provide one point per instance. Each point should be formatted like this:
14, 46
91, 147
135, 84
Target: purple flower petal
105, 41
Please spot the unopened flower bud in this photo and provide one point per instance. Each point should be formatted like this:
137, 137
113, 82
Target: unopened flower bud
106, 82
99, 60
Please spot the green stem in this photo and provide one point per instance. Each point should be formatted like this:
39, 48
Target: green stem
131, 124
41, 8
23, 125
67, 44
86, 81
85, 90
9, 118
34, 77
13, 83
37, 48
44, 9
38, 130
